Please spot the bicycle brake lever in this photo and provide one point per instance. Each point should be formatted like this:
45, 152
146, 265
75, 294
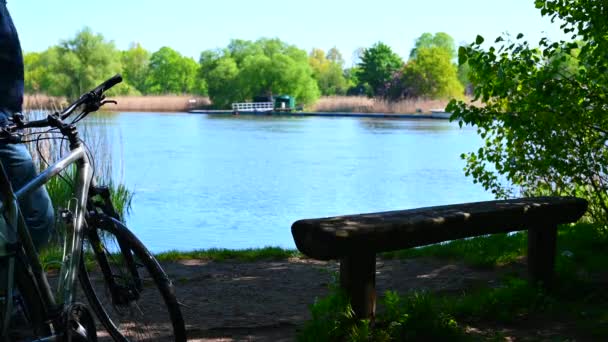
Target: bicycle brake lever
108, 101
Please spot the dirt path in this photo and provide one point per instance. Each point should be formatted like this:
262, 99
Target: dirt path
268, 300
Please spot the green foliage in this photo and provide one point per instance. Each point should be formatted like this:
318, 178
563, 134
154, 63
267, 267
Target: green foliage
135, 64
464, 76
79, 64
73, 67
83, 62
172, 73
432, 74
579, 295
238, 72
544, 110
265, 67
223, 82
327, 71
332, 320
580, 248
416, 317
515, 299
377, 67
483, 252
412, 318
440, 40
34, 72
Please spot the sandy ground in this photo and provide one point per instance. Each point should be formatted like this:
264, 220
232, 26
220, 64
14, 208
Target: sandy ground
268, 300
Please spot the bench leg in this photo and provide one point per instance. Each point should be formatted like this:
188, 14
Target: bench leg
541, 254
358, 279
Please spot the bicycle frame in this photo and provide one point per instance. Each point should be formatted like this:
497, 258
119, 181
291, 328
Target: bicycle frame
75, 223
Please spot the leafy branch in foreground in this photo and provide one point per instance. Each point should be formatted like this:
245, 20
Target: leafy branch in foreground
543, 113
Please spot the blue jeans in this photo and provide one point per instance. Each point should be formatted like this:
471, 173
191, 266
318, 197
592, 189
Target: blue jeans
36, 206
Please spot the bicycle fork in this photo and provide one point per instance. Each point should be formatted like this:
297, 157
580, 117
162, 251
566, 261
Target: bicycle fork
121, 294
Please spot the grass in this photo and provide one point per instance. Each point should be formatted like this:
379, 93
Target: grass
50, 257
581, 246
221, 254
482, 252
578, 300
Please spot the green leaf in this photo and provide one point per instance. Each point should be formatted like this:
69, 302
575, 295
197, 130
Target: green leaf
462, 55
520, 36
478, 40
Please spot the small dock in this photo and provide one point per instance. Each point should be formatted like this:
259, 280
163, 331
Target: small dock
433, 115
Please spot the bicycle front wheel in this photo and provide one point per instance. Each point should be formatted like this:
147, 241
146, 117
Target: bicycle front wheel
126, 287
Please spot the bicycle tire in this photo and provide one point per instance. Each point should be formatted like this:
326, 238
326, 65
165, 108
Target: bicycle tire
110, 313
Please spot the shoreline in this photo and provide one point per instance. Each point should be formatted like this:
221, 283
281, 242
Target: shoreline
433, 115
330, 106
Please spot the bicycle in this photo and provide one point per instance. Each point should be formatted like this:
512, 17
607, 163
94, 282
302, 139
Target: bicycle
117, 273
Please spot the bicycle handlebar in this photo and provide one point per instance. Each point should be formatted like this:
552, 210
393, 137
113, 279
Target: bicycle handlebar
95, 94
92, 101
109, 83
92, 98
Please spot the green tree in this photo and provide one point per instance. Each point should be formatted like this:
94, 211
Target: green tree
334, 56
265, 67
135, 64
546, 130
34, 72
440, 40
41, 73
239, 49
86, 60
328, 72
172, 73
432, 74
378, 66
223, 83
281, 74
208, 61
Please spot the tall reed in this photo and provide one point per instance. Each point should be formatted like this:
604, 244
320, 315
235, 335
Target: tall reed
47, 147
362, 104
149, 103
160, 103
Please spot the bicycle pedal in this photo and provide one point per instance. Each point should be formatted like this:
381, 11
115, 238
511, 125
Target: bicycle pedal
66, 215
80, 324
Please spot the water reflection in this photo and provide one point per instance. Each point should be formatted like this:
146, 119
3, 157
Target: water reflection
381, 125
386, 126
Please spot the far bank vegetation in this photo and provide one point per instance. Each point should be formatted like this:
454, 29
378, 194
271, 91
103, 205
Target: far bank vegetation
377, 81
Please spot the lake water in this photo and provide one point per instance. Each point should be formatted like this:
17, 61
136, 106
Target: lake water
204, 181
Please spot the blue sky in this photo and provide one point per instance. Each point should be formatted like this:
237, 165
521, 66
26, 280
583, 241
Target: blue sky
191, 26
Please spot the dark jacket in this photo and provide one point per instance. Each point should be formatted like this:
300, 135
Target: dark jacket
11, 64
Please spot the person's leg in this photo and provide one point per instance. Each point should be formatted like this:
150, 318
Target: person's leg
36, 207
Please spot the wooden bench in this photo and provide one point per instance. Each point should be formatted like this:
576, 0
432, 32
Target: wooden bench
355, 239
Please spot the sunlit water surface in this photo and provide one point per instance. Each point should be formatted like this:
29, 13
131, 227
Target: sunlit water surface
237, 182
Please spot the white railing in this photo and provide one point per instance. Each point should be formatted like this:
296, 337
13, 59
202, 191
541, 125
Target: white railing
253, 107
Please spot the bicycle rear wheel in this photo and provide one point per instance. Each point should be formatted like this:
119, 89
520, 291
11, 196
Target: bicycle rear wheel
126, 287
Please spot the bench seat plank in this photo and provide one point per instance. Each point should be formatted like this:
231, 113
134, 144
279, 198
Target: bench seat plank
341, 236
